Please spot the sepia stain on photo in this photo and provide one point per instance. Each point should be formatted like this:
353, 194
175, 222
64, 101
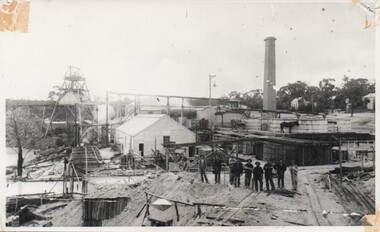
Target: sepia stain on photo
14, 15
217, 113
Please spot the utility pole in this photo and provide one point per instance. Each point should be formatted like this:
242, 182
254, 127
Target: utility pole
340, 159
107, 141
181, 121
85, 181
168, 106
209, 102
373, 156
75, 126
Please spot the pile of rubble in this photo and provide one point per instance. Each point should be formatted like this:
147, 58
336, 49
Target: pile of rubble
364, 178
168, 186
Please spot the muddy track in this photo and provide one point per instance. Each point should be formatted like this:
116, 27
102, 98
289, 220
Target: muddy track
229, 213
315, 204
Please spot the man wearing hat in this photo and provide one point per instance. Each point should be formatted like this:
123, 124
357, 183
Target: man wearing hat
293, 174
280, 168
248, 173
217, 168
237, 171
231, 165
202, 168
258, 176
268, 169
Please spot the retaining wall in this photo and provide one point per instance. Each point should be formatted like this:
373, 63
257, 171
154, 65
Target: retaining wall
300, 154
273, 125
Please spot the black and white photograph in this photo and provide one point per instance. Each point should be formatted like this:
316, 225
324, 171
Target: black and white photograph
219, 113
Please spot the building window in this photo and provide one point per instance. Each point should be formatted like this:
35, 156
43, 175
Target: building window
141, 149
191, 151
166, 139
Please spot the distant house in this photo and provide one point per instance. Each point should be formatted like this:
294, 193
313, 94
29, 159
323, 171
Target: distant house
354, 151
295, 103
144, 133
371, 98
207, 114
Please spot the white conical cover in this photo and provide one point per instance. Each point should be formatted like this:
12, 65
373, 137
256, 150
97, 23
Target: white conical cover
161, 204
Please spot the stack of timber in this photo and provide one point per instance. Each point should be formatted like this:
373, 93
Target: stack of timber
332, 126
253, 123
25, 215
272, 151
53, 151
78, 158
95, 210
283, 192
348, 170
15, 203
344, 125
354, 199
305, 125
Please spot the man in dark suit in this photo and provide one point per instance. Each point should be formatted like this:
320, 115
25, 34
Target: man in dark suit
248, 167
202, 168
280, 168
268, 168
217, 168
258, 176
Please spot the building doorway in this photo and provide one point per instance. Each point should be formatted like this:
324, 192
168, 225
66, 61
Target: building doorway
141, 149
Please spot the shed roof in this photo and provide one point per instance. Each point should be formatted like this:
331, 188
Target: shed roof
140, 123
370, 95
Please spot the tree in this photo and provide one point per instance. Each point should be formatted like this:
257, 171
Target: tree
235, 95
297, 89
22, 132
328, 93
289, 92
355, 89
54, 94
253, 99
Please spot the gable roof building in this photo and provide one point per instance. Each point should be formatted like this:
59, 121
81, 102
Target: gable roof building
146, 132
371, 103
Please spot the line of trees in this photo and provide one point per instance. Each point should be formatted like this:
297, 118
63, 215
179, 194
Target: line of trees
325, 96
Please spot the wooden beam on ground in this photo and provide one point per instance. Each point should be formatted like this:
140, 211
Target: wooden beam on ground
296, 223
233, 220
208, 204
175, 201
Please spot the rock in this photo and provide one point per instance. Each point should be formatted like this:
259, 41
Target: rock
48, 224
324, 213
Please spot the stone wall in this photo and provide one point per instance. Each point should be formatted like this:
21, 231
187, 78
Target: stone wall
305, 125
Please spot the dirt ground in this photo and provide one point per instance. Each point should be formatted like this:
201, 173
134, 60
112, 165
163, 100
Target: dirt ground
248, 207
312, 206
360, 122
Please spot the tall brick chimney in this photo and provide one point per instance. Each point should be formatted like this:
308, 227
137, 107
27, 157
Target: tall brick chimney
269, 101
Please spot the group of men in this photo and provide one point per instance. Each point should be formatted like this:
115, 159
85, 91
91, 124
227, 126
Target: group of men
252, 174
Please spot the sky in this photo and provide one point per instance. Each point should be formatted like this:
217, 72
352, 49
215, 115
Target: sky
171, 47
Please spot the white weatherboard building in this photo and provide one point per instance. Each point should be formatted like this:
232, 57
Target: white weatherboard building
371, 97
147, 132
